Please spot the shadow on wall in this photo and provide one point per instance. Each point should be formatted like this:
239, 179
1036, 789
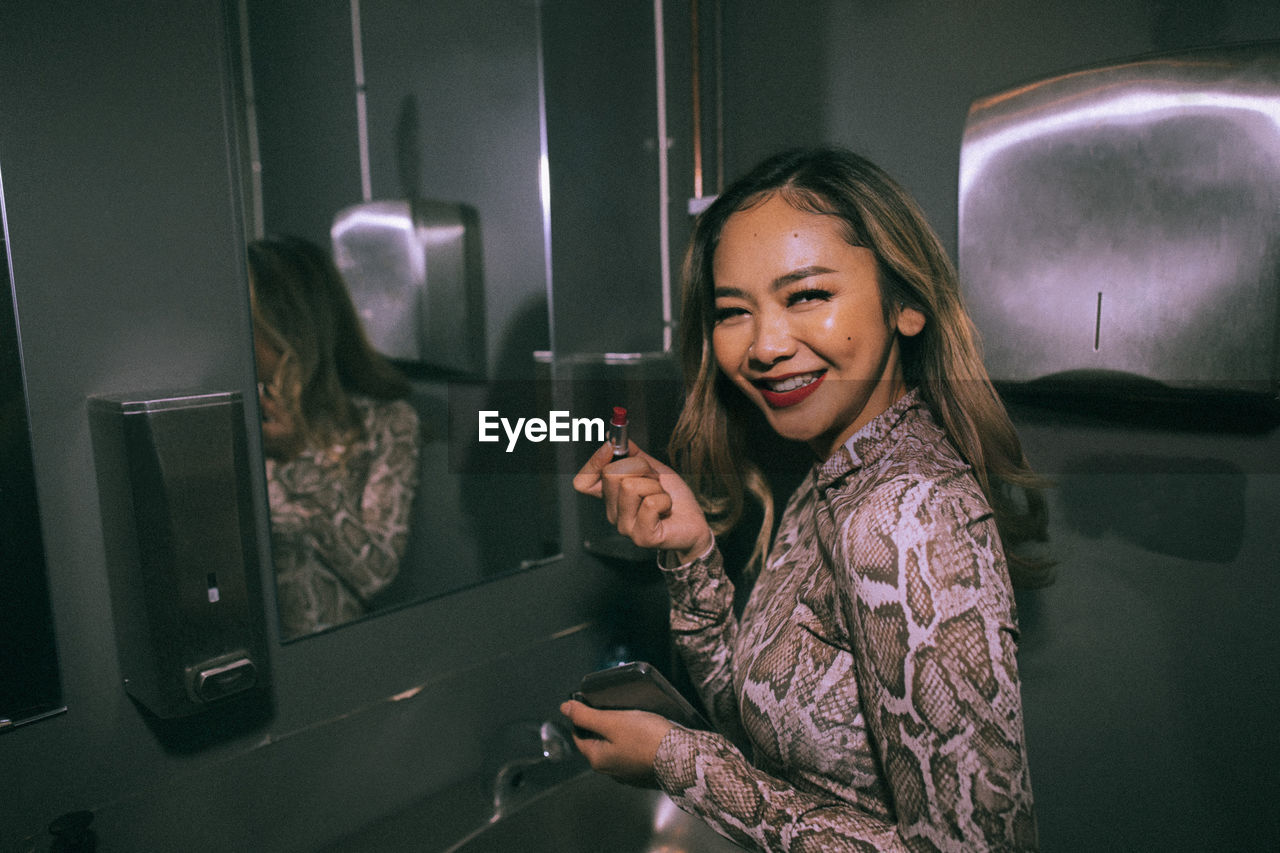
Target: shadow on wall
1189, 508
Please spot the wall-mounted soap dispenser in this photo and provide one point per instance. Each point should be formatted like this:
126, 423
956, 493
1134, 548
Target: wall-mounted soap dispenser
1123, 221
182, 553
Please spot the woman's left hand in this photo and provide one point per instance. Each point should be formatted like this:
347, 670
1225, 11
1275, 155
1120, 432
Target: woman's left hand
621, 744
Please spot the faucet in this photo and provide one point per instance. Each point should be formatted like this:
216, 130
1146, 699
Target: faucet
521, 778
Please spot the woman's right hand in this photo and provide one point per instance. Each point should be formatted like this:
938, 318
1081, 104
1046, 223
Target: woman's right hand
647, 502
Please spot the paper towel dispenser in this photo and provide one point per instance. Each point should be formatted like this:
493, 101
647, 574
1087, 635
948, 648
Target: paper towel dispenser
1124, 221
182, 551
413, 268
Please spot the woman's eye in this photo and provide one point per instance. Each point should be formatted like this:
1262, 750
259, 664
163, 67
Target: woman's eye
811, 294
728, 312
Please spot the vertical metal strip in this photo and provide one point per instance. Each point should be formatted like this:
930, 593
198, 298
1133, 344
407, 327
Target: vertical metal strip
362, 111
251, 125
695, 75
544, 182
719, 60
664, 214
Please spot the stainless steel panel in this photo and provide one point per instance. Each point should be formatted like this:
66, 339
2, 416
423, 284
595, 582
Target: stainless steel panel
1126, 219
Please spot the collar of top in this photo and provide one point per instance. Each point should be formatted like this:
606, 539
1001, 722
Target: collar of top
867, 444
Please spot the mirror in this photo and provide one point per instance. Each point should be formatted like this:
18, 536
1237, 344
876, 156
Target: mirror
30, 688
399, 112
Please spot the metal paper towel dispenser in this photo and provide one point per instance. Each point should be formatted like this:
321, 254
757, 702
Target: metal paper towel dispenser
1124, 220
413, 268
182, 552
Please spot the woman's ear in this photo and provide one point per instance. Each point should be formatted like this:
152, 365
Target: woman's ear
910, 321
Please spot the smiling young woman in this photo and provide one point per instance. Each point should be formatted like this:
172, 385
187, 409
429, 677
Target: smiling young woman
799, 324
872, 671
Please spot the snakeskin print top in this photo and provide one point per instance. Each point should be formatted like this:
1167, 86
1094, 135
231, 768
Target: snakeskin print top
340, 518
872, 673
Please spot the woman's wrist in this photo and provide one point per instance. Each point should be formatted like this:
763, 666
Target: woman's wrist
700, 549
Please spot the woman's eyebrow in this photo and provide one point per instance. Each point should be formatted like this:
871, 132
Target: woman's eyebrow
777, 284
799, 275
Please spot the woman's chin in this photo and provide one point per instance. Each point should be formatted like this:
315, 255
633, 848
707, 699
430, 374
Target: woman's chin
792, 426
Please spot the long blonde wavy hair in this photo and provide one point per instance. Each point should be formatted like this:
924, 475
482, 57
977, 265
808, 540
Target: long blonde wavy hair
301, 305
715, 443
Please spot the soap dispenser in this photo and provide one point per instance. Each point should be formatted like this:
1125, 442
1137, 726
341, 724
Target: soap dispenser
181, 547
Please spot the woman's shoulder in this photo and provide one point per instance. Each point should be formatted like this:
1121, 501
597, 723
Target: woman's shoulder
397, 417
922, 457
922, 479
385, 409
932, 509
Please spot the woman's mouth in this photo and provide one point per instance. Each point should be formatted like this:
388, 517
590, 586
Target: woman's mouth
789, 390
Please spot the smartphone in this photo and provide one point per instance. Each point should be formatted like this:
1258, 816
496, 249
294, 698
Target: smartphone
638, 686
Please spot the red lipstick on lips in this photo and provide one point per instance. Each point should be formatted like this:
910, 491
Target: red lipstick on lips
784, 399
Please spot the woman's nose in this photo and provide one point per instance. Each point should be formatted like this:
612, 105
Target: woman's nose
773, 339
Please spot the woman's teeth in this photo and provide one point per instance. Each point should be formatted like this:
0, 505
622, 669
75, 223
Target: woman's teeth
791, 382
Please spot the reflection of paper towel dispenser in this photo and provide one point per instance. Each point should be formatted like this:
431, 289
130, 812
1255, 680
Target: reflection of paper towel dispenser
182, 552
1124, 220
414, 272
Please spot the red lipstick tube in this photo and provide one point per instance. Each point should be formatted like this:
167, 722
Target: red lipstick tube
618, 433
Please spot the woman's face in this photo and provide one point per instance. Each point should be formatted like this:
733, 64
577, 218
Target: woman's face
799, 325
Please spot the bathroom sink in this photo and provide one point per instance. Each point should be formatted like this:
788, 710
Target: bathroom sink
591, 813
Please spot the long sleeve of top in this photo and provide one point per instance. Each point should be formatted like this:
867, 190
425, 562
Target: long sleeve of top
340, 518
873, 670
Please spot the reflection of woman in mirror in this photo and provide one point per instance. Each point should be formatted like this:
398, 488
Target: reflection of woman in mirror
340, 440
872, 673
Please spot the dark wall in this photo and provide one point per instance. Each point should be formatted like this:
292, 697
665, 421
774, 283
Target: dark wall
305, 96
1148, 681
602, 145
127, 268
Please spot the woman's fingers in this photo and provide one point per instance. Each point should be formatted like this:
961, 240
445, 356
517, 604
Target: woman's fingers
587, 480
622, 744
641, 506
587, 723
623, 483
589, 477
583, 716
645, 500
